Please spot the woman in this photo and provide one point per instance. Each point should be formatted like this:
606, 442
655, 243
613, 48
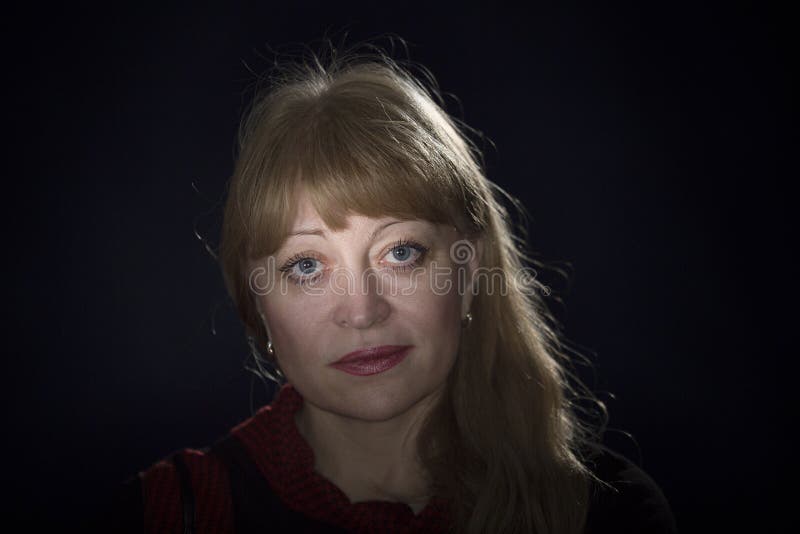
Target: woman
423, 384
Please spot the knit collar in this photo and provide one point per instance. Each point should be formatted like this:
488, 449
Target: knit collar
286, 460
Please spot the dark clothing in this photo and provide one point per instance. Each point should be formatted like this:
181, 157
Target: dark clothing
260, 478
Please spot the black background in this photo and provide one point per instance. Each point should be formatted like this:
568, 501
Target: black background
649, 144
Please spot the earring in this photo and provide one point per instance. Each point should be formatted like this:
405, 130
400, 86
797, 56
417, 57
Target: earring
274, 362
467, 320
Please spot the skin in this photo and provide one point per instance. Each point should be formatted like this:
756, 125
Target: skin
363, 429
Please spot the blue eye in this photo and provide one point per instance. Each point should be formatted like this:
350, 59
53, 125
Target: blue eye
404, 250
307, 262
304, 264
306, 273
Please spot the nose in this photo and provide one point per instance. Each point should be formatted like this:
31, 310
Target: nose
362, 303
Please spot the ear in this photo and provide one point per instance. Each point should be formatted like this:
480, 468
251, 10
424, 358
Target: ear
470, 288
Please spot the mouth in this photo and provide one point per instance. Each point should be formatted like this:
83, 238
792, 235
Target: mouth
372, 360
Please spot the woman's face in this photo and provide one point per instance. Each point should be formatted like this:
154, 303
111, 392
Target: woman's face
378, 282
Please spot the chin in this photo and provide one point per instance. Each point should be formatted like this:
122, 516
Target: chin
382, 403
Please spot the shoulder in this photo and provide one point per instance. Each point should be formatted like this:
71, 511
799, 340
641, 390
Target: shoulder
152, 500
155, 499
628, 500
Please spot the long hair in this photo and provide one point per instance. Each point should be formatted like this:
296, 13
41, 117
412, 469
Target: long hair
362, 134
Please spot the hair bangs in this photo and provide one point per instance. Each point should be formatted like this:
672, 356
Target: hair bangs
349, 164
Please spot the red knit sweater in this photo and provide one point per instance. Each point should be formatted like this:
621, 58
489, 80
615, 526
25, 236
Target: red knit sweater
286, 461
283, 493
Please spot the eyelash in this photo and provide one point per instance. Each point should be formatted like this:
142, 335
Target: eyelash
297, 258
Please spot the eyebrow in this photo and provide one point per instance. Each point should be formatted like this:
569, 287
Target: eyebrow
320, 232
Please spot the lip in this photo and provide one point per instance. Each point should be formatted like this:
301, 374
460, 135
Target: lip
371, 353
372, 360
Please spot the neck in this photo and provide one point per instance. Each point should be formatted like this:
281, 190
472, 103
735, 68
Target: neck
368, 460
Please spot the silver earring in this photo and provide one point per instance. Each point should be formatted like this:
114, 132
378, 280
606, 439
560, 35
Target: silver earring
467, 320
270, 350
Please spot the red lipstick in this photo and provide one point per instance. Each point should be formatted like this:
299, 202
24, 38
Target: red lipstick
373, 360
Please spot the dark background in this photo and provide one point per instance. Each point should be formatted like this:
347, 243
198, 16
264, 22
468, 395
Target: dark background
648, 143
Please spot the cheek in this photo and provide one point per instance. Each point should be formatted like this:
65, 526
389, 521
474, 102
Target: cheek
435, 313
290, 320
436, 310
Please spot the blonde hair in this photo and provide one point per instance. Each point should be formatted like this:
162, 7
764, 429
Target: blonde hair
361, 134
